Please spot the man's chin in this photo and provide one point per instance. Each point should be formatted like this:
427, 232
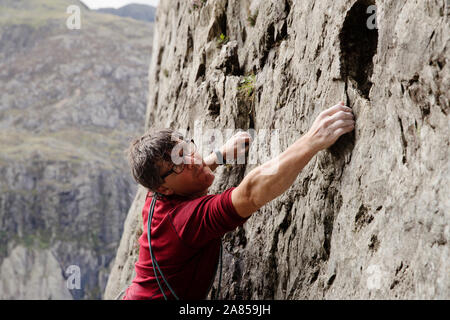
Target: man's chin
210, 178
206, 184
205, 179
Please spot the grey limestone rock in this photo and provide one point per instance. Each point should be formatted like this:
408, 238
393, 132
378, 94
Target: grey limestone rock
367, 218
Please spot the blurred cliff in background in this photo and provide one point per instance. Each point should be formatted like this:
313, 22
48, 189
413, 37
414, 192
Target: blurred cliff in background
70, 102
135, 11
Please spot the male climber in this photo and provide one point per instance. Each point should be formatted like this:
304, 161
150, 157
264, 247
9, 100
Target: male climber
187, 223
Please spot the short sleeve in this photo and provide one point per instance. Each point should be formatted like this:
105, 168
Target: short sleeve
206, 218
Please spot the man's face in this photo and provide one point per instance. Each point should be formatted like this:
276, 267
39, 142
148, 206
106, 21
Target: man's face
194, 180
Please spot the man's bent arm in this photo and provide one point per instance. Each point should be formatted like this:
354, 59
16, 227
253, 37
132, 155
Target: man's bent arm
233, 148
271, 179
274, 177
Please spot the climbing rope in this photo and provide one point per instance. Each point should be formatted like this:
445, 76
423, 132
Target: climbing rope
155, 262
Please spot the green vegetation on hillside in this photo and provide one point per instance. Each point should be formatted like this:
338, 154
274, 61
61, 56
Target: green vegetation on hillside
35, 13
71, 145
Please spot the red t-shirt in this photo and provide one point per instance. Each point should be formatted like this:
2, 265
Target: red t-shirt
185, 237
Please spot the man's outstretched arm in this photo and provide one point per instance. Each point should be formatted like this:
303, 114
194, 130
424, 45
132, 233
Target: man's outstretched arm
271, 179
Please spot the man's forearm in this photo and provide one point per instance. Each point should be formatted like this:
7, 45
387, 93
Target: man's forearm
258, 187
274, 177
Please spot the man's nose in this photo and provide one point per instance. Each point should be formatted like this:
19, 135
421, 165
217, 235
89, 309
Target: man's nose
193, 161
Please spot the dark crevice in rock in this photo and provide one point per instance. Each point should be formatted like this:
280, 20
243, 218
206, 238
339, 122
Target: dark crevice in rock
230, 63
282, 34
362, 218
287, 218
213, 104
334, 204
224, 20
374, 243
404, 142
328, 230
394, 284
201, 70
287, 7
314, 277
358, 46
318, 74
155, 104
268, 42
270, 269
251, 124
431, 37
158, 63
244, 35
189, 48
413, 80
319, 48
219, 26
272, 39
331, 280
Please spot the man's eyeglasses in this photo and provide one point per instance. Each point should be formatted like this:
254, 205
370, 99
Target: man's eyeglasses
189, 148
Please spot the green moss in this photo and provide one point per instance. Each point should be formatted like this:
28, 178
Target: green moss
252, 18
34, 13
40, 13
75, 146
41, 239
248, 84
222, 39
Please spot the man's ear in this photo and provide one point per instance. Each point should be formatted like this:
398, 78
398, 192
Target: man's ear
164, 190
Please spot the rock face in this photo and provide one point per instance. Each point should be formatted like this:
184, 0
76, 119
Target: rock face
367, 218
71, 100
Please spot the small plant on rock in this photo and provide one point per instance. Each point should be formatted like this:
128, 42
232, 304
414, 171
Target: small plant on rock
222, 40
248, 84
252, 18
197, 4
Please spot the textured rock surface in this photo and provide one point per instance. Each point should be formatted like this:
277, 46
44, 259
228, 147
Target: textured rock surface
368, 218
70, 102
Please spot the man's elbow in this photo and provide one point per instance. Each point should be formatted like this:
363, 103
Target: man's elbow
245, 199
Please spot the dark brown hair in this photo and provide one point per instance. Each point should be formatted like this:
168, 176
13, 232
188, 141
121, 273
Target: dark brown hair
146, 154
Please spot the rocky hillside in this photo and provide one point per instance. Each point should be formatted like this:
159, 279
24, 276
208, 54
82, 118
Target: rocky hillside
134, 10
368, 218
70, 102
